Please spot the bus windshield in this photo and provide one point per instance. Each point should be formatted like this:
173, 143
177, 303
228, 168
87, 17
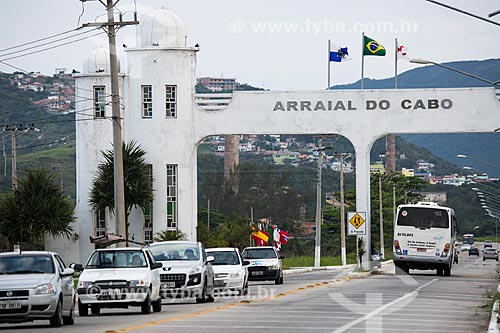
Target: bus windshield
468, 239
423, 218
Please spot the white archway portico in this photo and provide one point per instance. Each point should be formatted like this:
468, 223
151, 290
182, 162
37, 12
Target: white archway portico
362, 116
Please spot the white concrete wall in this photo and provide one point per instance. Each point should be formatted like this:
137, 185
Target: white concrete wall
167, 140
92, 137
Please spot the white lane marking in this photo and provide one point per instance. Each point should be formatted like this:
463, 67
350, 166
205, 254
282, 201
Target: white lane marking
411, 295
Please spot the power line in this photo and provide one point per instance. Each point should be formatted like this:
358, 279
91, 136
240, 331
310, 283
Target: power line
39, 40
52, 47
47, 43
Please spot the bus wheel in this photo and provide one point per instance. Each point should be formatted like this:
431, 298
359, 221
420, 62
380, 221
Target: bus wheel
439, 272
447, 271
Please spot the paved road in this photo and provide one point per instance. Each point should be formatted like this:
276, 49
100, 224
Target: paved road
321, 301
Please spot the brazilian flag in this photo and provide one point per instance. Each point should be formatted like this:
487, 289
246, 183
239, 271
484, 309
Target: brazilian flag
373, 48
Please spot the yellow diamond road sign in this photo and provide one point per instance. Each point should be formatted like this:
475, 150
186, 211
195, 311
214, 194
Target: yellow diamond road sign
356, 224
356, 220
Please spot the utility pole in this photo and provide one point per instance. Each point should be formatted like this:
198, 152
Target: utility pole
119, 195
381, 215
17, 127
317, 245
342, 213
14, 158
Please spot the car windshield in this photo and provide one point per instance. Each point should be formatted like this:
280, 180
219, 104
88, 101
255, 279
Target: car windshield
491, 250
117, 259
259, 254
26, 264
224, 257
175, 251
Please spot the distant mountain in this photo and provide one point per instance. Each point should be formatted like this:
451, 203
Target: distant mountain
478, 146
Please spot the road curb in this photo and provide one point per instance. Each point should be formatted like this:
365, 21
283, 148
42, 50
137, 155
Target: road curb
300, 270
493, 326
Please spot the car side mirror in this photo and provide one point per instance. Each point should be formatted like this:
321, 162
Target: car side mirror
156, 265
246, 263
76, 267
68, 272
282, 257
210, 258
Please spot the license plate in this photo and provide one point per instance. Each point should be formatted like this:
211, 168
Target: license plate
257, 273
421, 250
110, 292
168, 284
10, 305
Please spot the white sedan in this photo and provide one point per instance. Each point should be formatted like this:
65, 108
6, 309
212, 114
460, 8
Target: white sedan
230, 270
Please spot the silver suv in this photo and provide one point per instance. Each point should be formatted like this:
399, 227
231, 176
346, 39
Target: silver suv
186, 271
36, 285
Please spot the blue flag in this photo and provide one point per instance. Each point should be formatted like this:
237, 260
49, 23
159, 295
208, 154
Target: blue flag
339, 55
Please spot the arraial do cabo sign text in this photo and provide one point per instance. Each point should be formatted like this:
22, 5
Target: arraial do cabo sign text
368, 105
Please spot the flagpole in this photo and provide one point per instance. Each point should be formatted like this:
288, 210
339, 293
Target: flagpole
362, 58
396, 64
329, 47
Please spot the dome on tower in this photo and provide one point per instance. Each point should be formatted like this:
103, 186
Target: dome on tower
98, 61
161, 27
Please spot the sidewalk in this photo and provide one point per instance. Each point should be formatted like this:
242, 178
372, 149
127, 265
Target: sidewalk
349, 269
494, 326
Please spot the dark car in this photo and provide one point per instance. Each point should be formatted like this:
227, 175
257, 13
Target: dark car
474, 251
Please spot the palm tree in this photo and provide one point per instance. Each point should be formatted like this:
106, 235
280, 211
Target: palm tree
138, 188
36, 207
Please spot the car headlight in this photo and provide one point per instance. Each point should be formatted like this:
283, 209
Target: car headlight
236, 275
273, 267
45, 289
137, 283
84, 284
196, 270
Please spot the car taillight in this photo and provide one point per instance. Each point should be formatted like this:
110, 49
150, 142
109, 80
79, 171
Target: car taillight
397, 248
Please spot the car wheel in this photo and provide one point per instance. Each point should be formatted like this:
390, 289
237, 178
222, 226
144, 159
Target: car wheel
57, 319
70, 319
439, 272
203, 296
146, 305
157, 305
447, 271
484, 259
95, 309
83, 309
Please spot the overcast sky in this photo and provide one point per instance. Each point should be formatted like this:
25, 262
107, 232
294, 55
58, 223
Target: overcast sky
278, 44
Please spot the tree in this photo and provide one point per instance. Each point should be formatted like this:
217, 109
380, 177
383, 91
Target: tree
170, 235
35, 207
138, 188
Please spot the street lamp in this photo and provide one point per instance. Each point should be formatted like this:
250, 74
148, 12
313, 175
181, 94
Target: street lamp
427, 62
